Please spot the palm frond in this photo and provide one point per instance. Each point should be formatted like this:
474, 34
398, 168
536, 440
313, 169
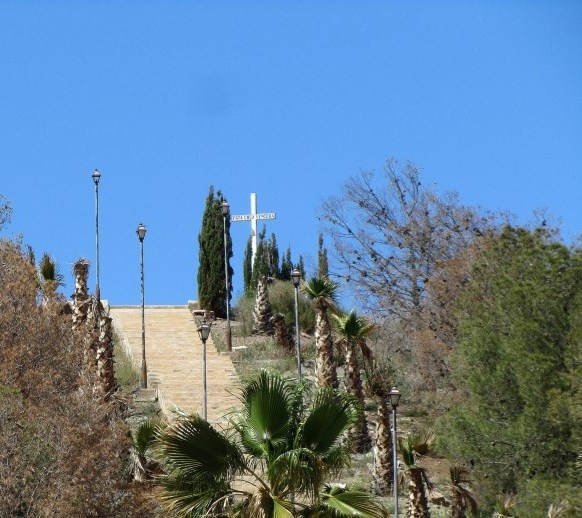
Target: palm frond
299, 471
267, 415
330, 415
185, 499
351, 326
505, 503
460, 489
346, 503
146, 434
49, 271
322, 291
195, 448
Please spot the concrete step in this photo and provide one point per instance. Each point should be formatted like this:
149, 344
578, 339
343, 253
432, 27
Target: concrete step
174, 358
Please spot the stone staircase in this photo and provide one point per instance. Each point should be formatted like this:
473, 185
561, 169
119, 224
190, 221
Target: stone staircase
174, 357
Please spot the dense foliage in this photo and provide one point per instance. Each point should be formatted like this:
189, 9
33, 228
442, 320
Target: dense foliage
266, 262
273, 462
517, 420
62, 452
212, 292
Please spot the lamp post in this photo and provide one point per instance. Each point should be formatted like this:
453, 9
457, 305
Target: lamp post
204, 333
394, 399
296, 278
225, 212
141, 232
96, 177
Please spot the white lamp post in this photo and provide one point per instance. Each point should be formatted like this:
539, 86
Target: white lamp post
141, 232
204, 333
96, 177
225, 212
394, 399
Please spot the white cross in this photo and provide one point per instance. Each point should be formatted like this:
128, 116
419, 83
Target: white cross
253, 217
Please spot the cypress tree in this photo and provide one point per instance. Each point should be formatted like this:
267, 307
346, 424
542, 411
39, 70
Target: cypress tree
266, 259
211, 270
286, 266
322, 264
301, 266
248, 267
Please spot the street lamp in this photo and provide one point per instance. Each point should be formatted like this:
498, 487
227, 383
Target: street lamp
296, 278
394, 395
204, 333
96, 177
141, 232
225, 211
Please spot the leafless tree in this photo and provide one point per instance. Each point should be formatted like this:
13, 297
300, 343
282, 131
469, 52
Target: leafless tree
390, 232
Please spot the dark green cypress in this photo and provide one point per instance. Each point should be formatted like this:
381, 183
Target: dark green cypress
286, 266
322, 264
211, 271
248, 267
301, 266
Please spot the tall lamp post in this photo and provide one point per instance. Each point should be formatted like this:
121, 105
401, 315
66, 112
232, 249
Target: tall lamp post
225, 212
96, 177
394, 399
296, 278
204, 333
141, 232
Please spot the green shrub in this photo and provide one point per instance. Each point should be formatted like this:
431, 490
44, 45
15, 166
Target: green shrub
282, 297
126, 374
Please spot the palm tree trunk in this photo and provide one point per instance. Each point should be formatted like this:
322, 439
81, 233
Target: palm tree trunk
262, 312
418, 501
93, 328
358, 434
383, 462
104, 352
458, 508
81, 295
325, 369
283, 338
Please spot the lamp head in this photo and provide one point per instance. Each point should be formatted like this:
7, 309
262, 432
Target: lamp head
141, 231
96, 176
394, 397
225, 208
204, 331
296, 277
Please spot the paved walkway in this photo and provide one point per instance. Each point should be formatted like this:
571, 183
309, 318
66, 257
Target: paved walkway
174, 356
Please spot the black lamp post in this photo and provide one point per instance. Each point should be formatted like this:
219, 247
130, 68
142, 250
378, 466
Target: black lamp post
225, 212
296, 278
96, 177
394, 399
204, 333
141, 232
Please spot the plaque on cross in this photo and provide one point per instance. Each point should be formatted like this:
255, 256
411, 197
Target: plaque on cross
253, 217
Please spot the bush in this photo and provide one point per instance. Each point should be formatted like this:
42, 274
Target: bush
282, 297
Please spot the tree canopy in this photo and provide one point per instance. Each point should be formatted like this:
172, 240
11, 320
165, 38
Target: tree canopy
517, 369
389, 235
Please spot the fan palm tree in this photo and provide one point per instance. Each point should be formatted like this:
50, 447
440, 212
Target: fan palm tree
411, 448
142, 463
49, 278
504, 506
272, 462
353, 330
383, 450
463, 497
263, 311
323, 293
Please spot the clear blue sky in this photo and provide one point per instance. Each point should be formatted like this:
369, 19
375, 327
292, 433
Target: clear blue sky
285, 99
